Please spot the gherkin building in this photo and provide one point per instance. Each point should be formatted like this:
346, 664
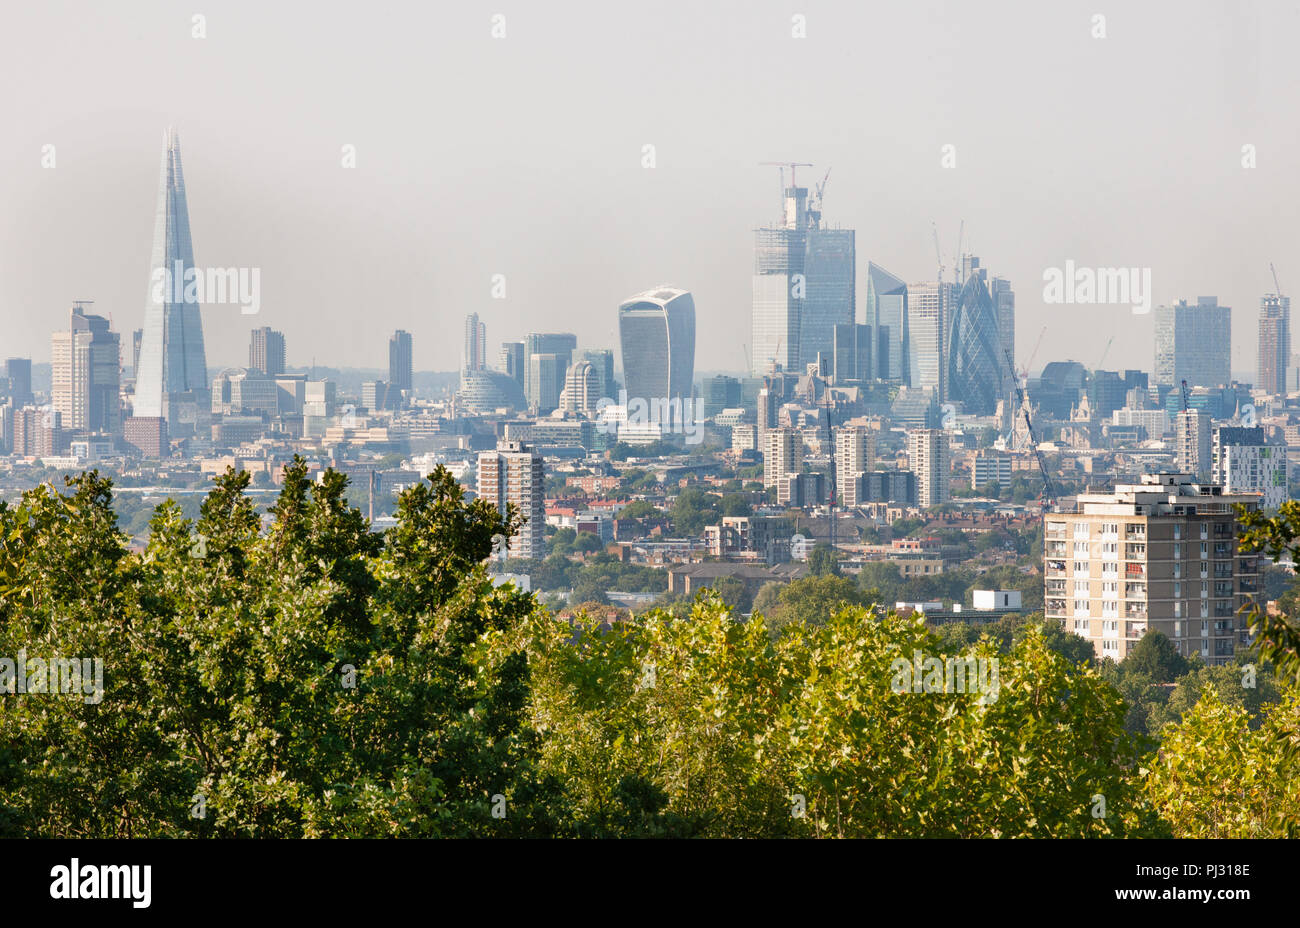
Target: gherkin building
974, 354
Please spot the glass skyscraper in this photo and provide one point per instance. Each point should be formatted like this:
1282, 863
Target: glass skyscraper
1193, 343
928, 307
975, 358
887, 316
172, 361
657, 331
830, 278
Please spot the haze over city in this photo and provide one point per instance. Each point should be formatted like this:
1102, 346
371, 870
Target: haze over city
523, 156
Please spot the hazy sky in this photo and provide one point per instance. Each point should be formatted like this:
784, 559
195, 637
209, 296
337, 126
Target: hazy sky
523, 156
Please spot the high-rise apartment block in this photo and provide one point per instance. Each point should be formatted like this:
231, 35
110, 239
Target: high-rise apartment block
1158, 555
1274, 342
1243, 462
782, 455
266, 351
474, 355
514, 474
928, 457
855, 454
1192, 442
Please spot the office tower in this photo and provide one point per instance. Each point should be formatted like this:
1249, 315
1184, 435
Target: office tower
561, 346
19, 372
38, 432
86, 373
928, 304
172, 377
1193, 343
782, 455
927, 457
514, 474
973, 353
1004, 306
602, 359
779, 286
851, 352
7, 428
374, 394
545, 373
855, 454
1244, 462
512, 363
244, 390
1157, 555
291, 389
266, 351
1192, 443
399, 365
1274, 342
657, 332
720, 392
581, 389
887, 314
474, 354
486, 391
830, 288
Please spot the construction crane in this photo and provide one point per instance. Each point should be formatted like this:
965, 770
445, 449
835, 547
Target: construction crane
1024, 372
1184, 396
938, 253
1104, 353
822, 186
1049, 491
792, 165
1276, 286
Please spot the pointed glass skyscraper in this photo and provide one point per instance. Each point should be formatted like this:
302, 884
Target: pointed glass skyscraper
172, 361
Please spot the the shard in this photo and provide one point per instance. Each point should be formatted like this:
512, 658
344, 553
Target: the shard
172, 379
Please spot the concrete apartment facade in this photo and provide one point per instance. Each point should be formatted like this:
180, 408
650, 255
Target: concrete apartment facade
1157, 555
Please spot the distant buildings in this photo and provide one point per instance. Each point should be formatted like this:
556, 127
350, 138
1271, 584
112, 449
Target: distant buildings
657, 331
544, 378
400, 364
855, 454
1157, 555
86, 371
782, 455
474, 355
887, 314
266, 351
928, 457
1192, 443
514, 474
1243, 462
1274, 343
974, 357
927, 305
19, 373
171, 381
1193, 343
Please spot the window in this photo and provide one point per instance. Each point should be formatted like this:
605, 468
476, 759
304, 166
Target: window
1110, 587
1178, 550
1110, 569
1081, 607
1110, 608
1080, 567
1178, 588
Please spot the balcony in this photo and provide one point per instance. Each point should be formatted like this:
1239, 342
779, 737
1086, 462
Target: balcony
1135, 611
1056, 549
1136, 629
1135, 571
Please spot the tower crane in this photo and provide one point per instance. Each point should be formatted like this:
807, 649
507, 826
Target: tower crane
1049, 491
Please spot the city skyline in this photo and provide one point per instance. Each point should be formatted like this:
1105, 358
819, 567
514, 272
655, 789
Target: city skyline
888, 183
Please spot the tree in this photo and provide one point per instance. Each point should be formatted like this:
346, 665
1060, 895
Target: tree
813, 600
1154, 659
822, 560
